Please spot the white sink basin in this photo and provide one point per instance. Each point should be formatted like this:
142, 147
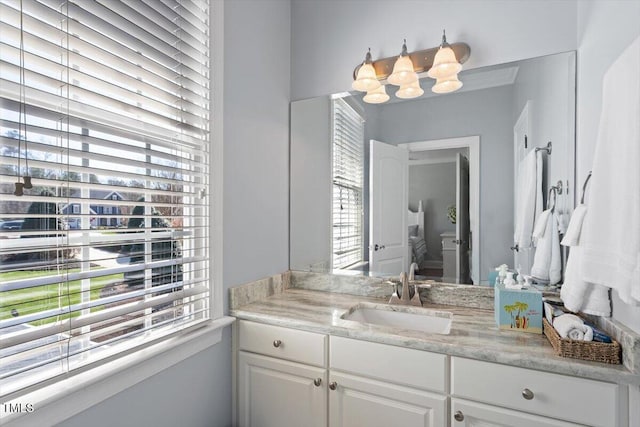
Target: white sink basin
403, 317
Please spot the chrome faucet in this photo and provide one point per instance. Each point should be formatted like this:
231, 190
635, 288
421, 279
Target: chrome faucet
405, 297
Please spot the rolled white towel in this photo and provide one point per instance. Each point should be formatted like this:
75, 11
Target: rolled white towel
571, 326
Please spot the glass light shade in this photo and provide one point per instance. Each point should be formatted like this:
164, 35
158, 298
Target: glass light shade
366, 79
402, 72
447, 84
444, 64
411, 90
376, 96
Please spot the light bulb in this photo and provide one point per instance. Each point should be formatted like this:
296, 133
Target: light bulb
445, 62
376, 96
366, 78
403, 69
411, 90
447, 84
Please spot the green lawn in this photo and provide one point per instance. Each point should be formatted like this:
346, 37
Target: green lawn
32, 300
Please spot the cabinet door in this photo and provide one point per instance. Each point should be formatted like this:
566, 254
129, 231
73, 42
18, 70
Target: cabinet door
357, 401
279, 393
471, 414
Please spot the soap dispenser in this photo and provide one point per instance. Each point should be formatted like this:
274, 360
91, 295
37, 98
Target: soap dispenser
502, 274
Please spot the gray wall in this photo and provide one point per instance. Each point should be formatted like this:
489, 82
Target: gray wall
486, 113
605, 29
551, 107
197, 391
329, 38
310, 195
435, 200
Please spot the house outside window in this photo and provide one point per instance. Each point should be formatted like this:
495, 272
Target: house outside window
115, 96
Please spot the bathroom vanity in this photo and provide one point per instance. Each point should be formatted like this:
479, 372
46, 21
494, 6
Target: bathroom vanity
299, 362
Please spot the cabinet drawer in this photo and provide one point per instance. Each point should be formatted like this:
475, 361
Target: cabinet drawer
573, 399
285, 343
398, 365
465, 413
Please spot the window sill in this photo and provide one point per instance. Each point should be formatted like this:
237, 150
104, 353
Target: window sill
57, 402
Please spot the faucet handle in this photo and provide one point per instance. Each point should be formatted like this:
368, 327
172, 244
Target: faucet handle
416, 297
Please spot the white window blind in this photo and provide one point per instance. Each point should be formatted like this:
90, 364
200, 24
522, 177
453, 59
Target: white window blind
111, 249
348, 166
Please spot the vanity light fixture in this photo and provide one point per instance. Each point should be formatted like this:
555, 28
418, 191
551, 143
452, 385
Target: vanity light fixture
442, 63
366, 79
403, 72
409, 91
376, 96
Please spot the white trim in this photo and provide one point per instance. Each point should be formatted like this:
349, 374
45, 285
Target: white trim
473, 143
439, 161
216, 163
62, 400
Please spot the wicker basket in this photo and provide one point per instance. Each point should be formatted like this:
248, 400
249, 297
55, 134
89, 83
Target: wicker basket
585, 350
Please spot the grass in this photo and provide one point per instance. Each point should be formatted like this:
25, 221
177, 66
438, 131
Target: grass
48, 297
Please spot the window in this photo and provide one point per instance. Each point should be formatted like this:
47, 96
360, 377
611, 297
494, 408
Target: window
348, 166
115, 95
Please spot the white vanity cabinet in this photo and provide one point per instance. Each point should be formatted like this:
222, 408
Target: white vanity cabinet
287, 377
281, 377
373, 385
486, 393
283, 380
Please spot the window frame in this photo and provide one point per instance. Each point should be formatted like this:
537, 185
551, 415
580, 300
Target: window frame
359, 190
63, 397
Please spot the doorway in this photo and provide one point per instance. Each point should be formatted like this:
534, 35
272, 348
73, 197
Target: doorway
471, 146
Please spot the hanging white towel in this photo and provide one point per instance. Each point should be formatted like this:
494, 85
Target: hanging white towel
572, 236
577, 294
547, 263
541, 225
528, 198
611, 233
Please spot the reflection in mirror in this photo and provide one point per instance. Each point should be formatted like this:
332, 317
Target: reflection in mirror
449, 164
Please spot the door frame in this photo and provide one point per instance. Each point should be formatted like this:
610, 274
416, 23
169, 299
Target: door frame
473, 144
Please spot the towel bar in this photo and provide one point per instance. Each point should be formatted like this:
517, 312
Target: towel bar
584, 187
547, 148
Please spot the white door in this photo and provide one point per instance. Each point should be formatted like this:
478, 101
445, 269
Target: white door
471, 414
463, 233
277, 393
522, 140
357, 401
388, 205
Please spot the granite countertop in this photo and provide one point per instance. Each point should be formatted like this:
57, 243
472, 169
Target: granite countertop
473, 332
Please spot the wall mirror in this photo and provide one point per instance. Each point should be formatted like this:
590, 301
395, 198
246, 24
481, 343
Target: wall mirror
460, 155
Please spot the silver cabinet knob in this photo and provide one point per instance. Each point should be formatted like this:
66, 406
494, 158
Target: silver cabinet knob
458, 416
527, 394
277, 343
333, 385
317, 382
